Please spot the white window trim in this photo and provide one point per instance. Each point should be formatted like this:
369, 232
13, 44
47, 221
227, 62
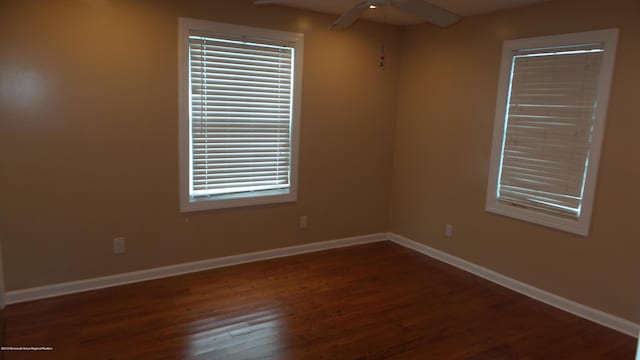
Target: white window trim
580, 226
227, 201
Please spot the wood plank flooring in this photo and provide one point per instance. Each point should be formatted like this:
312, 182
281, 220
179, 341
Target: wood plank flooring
375, 301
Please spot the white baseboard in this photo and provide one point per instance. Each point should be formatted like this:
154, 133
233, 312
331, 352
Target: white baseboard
586, 312
17, 296
583, 311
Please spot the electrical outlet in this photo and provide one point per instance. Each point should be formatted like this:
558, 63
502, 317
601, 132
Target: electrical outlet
118, 245
448, 231
303, 222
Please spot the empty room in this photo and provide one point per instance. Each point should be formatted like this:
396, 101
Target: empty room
319, 179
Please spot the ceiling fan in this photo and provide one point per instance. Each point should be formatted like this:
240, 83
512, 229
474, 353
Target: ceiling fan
418, 8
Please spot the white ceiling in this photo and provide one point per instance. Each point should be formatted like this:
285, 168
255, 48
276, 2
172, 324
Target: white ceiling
397, 17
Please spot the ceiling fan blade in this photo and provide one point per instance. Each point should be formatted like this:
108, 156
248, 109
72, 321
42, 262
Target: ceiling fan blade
264, 2
347, 19
426, 11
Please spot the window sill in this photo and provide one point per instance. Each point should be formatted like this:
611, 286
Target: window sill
237, 200
578, 227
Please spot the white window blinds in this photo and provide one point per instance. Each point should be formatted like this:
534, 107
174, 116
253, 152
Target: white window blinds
549, 125
241, 99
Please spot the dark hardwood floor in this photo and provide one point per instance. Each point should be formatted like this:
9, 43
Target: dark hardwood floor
375, 301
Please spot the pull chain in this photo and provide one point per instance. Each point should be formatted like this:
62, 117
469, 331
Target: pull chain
386, 10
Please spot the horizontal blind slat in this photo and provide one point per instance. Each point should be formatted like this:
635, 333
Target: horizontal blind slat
548, 130
241, 95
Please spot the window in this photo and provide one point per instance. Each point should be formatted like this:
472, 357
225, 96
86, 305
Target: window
239, 115
550, 117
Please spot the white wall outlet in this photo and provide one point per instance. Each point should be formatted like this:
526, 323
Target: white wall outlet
118, 245
448, 230
303, 222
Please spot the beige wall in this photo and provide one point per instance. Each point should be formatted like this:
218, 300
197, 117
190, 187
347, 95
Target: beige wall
89, 144
88, 137
447, 96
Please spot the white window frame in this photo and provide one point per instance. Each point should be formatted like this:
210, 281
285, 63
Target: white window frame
185, 25
580, 225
